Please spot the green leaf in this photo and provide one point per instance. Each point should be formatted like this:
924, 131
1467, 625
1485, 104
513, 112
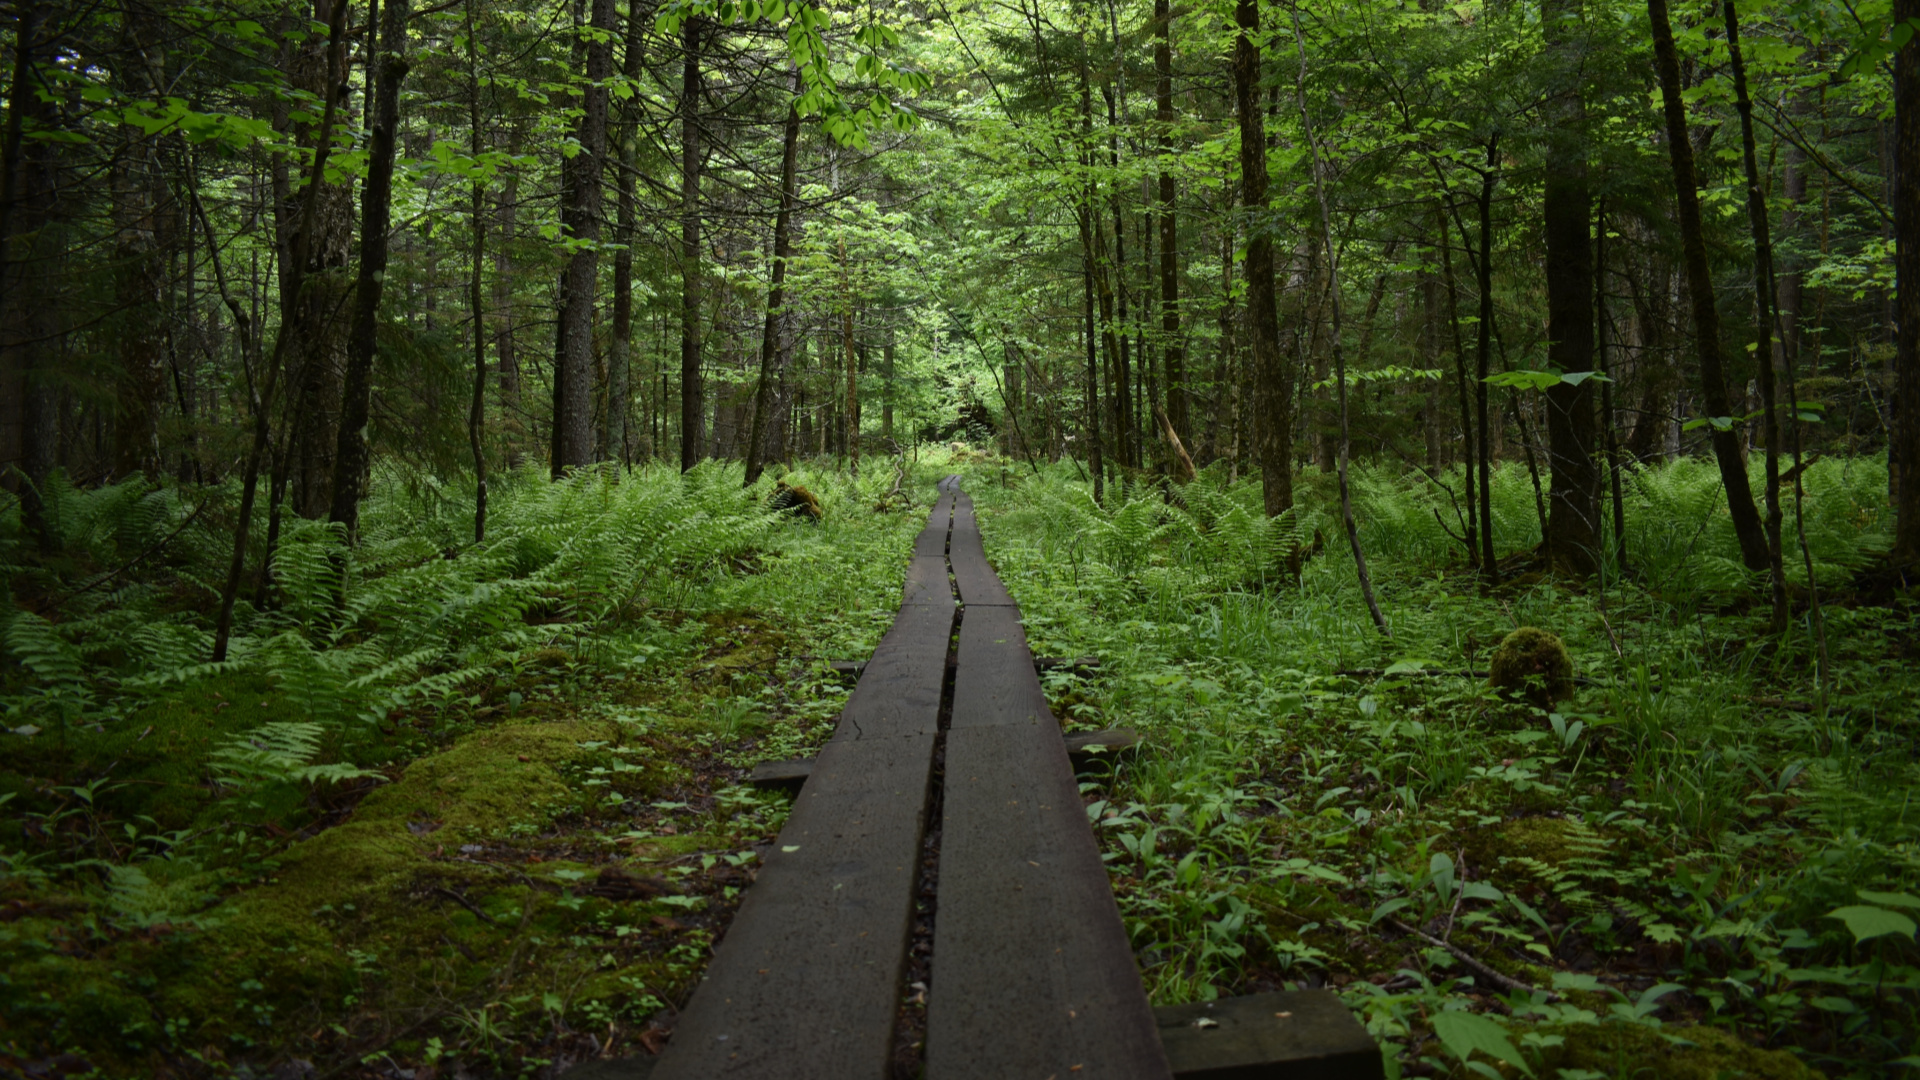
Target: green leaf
1406, 667
1890, 899
1868, 923
1462, 1033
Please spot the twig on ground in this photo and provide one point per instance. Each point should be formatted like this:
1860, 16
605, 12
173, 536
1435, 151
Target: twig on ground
1473, 963
478, 913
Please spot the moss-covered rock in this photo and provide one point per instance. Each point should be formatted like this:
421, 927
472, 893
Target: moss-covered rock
1533, 665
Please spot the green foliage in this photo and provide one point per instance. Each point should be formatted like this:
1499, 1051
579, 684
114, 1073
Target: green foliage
1678, 844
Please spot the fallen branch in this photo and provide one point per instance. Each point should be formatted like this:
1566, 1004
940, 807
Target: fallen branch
468, 904
1474, 964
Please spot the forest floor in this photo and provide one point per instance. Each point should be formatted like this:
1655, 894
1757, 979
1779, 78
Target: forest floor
490, 819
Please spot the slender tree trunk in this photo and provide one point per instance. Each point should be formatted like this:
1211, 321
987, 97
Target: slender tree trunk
1339, 355
620, 383
1706, 318
1173, 348
1610, 427
1087, 256
352, 459
263, 402
1273, 385
692, 412
770, 342
1468, 445
580, 220
506, 357
1490, 176
477, 408
1906, 213
1763, 311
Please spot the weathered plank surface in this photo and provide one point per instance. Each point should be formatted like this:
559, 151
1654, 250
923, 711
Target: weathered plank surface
1033, 975
996, 684
806, 982
1302, 1035
979, 585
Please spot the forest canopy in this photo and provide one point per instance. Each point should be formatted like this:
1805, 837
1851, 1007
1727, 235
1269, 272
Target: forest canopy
492, 416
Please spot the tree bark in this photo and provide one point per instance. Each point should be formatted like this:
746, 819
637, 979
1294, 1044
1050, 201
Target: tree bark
1273, 384
620, 362
352, 459
476, 296
1706, 318
777, 316
293, 277
692, 415
1906, 214
1573, 520
1172, 348
580, 219
1763, 304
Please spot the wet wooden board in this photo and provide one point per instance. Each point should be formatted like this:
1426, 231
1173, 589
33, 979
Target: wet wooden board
979, 585
1296, 1035
806, 982
899, 688
1033, 975
995, 683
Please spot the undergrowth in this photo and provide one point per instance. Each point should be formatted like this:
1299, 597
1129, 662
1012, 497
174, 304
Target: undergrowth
1700, 866
475, 810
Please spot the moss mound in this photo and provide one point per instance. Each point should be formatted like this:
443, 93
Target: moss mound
1533, 665
1671, 1053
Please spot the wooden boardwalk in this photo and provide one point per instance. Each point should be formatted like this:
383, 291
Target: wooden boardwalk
1032, 975
806, 983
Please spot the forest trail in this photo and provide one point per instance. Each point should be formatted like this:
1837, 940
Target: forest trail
1036, 975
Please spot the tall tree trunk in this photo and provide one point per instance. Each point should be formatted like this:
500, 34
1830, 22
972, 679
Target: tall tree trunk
1273, 385
1610, 428
777, 317
1906, 213
1087, 256
1763, 310
28, 242
506, 357
1469, 446
692, 415
1339, 356
352, 460
1114, 271
1573, 521
1172, 349
293, 277
620, 382
1706, 318
580, 219
142, 219
315, 359
477, 408
1489, 176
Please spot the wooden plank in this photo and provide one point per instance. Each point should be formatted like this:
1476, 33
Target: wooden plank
806, 983
932, 540
1299, 1035
979, 585
1111, 741
781, 774
995, 684
1033, 975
